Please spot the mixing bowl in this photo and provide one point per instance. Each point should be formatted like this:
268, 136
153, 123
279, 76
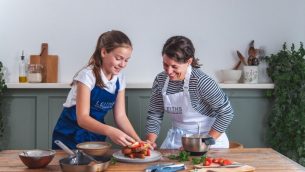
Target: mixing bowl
94, 148
37, 158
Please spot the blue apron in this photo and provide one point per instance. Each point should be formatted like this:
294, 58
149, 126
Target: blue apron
70, 133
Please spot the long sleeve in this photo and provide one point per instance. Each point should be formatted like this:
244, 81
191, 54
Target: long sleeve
156, 109
217, 102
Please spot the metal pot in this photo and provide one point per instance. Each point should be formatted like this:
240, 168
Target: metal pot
79, 161
197, 143
69, 164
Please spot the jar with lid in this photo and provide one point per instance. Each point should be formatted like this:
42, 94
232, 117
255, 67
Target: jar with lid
35, 73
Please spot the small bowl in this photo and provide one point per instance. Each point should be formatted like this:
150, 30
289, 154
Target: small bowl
37, 158
94, 148
231, 76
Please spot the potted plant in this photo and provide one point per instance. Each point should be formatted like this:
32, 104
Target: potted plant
2, 89
286, 122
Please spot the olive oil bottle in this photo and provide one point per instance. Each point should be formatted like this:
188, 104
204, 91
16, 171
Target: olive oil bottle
22, 70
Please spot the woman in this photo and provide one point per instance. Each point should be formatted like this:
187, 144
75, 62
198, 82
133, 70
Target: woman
190, 97
96, 89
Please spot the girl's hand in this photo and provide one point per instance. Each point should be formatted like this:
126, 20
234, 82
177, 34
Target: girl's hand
120, 138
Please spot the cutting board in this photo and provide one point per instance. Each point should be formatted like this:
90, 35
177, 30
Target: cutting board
244, 168
49, 63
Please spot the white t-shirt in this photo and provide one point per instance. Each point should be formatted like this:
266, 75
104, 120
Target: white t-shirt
87, 77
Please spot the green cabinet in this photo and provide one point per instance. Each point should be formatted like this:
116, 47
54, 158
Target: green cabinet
31, 115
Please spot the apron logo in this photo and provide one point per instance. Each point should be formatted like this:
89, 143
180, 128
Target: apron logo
174, 110
104, 105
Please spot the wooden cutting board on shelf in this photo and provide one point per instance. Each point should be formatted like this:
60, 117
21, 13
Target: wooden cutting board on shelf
48, 62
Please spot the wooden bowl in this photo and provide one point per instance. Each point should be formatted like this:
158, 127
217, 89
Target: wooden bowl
94, 148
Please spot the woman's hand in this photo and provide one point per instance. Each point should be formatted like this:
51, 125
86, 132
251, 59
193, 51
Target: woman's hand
153, 144
120, 138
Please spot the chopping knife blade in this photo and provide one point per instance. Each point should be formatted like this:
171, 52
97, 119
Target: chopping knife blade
234, 165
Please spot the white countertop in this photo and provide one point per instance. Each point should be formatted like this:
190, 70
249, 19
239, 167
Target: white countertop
131, 86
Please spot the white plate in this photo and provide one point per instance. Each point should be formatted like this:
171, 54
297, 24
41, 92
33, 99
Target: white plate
154, 156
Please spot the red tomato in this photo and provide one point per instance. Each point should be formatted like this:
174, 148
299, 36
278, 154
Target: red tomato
226, 162
215, 160
207, 163
148, 152
209, 159
220, 161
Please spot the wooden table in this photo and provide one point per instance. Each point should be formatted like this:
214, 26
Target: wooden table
263, 159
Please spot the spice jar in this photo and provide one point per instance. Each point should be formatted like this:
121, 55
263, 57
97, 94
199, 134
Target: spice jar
34, 73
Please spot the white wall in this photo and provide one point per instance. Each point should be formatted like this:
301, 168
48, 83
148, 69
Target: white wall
217, 28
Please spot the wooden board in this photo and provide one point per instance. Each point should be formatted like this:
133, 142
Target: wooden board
49, 63
245, 168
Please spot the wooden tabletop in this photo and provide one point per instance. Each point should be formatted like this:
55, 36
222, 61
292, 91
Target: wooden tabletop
263, 159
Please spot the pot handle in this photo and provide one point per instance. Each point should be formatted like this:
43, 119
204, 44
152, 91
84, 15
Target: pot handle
208, 140
64, 147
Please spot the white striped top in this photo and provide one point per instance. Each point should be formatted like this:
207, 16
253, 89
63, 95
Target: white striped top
207, 98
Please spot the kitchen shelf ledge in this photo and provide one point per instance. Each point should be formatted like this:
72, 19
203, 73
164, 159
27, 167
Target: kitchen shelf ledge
131, 86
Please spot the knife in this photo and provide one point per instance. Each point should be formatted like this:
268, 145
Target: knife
234, 165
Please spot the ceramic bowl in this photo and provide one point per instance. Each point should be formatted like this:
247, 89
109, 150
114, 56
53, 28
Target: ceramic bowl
231, 76
94, 148
37, 158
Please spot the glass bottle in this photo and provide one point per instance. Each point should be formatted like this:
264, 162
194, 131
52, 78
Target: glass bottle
22, 70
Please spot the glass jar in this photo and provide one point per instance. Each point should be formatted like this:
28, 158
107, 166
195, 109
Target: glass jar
35, 73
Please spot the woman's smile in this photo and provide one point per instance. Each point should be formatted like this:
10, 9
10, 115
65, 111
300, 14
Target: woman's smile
174, 70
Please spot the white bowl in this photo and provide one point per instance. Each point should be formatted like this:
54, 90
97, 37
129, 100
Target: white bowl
231, 76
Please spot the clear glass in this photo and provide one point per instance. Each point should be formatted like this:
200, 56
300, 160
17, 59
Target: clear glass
35, 73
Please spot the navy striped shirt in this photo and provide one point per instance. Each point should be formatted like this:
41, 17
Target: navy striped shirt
207, 98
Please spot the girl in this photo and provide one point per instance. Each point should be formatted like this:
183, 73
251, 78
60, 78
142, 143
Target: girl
96, 89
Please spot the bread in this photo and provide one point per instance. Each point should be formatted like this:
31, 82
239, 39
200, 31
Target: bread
137, 150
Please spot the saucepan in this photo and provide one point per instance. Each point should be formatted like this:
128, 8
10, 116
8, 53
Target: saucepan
197, 143
78, 161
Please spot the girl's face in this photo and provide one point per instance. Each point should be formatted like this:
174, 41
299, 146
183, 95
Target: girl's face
175, 70
115, 60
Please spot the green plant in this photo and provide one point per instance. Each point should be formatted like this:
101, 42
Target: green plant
2, 89
286, 123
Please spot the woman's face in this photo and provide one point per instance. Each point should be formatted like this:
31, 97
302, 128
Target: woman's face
115, 60
174, 69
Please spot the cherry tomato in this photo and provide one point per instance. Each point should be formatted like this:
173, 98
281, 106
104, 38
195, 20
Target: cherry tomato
209, 159
220, 161
148, 152
226, 162
216, 160
207, 163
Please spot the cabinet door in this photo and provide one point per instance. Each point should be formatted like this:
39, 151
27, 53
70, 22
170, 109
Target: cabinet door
20, 116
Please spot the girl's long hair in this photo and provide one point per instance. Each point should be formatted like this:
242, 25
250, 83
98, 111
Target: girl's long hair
109, 40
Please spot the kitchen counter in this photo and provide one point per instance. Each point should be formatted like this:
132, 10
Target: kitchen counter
263, 159
131, 86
